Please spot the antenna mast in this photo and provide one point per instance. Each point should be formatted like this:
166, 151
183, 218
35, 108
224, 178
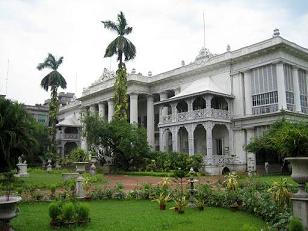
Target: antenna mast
7, 75
203, 31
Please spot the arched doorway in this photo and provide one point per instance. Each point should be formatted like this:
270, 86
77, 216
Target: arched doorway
219, 102
182, 106
199, 103
168, 140
220, 140
68, 147
200, 139
183, 140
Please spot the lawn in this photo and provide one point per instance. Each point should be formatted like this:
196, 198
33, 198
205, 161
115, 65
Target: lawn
140, 215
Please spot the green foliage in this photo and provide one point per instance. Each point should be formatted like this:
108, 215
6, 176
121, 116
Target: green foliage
83, 212
295, 224
55, 210
280, 193
120, 95
284, 137
162, 200
180, 204
17, 130
53, 80
127, 143
121, 46
78, 155
172, 161
231, 182
69, 212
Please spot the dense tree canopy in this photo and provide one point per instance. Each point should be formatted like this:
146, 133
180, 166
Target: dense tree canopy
284, 137
18, 134
125, 142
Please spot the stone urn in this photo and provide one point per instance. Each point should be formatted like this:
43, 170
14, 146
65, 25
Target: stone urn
299, 174
300, 199
80, 166
8, 210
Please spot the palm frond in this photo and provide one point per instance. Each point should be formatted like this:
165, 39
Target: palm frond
111, 26
128, 30
129, 50
53, 79
112, 48
122, 23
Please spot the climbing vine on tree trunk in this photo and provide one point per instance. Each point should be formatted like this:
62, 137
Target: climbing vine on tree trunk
53, 112
120, 95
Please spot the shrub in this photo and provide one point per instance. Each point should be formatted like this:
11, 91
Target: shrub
295, 224
78, 155
55, 211
280, 193
82, 213
231, 182
69, 212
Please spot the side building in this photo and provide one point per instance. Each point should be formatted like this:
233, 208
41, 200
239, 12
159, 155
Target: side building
214, 105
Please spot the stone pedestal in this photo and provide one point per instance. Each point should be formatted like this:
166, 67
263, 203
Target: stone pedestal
79, 187
80, 166
68, 176
92, 170
49, 166
300, 210
22, 170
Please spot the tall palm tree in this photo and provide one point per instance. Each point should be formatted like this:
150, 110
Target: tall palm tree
121, 45
52, 81
123, 48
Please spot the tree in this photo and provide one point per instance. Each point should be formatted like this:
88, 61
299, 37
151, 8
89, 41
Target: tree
126, 143
284, 137
122, 47
17, 129
52, 81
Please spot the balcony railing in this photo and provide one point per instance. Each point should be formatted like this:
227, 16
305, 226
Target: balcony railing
197, 115
264, 109
68, 136
220, 160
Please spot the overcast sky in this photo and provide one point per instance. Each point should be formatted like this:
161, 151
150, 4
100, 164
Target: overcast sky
164, 33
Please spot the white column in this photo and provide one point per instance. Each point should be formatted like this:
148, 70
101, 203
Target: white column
174, 139
209, 139
208, 101
164, 96
92, 109
174, 111
161, 140
101, 110
191, 145
281, 87
150, 120
248, 95
251, 157
110, 109
230, 139
297, 97
133, 112
189, 105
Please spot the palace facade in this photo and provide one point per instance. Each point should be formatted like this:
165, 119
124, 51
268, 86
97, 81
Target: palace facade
214, 105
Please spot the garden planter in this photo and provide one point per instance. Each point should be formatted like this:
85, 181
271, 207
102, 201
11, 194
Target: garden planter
299, 174
300, 199
8, 210
80, 166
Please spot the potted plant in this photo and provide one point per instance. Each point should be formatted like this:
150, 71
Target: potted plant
162, 200
180, 204
8, 203
80, 159
289, 140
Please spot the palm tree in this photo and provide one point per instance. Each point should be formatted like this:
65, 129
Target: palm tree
122, 47
52, 81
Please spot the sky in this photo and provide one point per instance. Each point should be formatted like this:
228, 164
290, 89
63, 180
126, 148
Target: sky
164, 33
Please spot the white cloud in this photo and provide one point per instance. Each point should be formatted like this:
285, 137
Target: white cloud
165, 32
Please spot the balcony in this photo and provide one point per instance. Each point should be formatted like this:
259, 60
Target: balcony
68, 136
200, 114
220, 160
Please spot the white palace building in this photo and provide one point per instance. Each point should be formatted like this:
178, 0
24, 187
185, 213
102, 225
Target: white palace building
213, 106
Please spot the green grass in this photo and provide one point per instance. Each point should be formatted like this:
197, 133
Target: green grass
140, 215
